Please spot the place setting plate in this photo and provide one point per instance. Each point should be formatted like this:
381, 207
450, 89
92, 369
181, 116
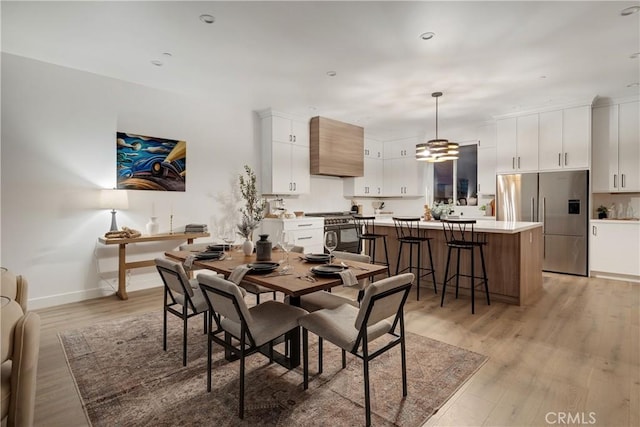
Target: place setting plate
262, 267
316, 258
208, 255
328, 270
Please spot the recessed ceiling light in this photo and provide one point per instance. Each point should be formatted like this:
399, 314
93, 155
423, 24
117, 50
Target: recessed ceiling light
331, 73
633, 84
543, 77
635, 55
157, 63
630, 10
207, 19
312, 108
427, 36
167, 54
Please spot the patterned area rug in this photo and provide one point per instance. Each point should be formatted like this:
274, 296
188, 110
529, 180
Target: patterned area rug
125, 378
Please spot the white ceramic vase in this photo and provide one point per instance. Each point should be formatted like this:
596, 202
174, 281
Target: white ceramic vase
247, 247
152, 226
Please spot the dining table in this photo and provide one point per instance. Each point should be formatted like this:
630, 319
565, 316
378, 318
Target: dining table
294, 281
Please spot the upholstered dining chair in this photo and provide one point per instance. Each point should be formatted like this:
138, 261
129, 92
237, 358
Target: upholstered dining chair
15, 287
20, 347
252, 327
352, 329
182, 297
323, 299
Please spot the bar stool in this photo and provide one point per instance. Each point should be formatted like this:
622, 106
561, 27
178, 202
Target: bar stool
366, 231
461, 235
408, 233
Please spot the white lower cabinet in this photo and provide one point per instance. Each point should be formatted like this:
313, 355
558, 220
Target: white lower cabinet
614, 249
308, 232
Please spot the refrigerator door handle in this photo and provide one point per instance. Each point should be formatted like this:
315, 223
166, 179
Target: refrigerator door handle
543, 214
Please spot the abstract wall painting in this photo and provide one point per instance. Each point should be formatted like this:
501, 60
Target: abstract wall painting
150, 163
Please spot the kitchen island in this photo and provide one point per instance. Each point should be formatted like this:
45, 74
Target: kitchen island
513, 256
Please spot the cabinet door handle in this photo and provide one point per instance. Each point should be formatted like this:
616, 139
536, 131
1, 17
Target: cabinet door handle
378, 190
565, 159
290, 138
513, 163
295, 186
305, 225
518, 162
294, 138
305, 238
478, 188
559, 155
594, 230
622, 180
290, 187
615, 180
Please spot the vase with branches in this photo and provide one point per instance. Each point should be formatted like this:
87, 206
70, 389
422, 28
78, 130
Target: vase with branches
253, 210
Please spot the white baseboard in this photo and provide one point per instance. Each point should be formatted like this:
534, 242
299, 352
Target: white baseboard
615, 276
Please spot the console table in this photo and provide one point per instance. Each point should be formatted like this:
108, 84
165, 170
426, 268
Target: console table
123, 265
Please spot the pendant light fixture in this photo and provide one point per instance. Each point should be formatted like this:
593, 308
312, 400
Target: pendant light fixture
437, 150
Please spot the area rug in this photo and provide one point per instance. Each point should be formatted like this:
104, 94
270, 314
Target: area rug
124, 378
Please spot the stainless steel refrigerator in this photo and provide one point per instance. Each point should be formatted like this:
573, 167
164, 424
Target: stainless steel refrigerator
560, 201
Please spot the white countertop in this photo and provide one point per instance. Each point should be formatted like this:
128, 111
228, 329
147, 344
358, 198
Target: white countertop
480, 226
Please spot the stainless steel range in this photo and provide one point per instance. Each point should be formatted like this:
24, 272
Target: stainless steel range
343, 224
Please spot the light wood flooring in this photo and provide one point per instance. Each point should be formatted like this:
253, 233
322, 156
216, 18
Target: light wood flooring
574, 351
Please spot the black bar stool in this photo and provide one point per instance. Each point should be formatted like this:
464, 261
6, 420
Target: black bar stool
408, 233
460, 235
366, 231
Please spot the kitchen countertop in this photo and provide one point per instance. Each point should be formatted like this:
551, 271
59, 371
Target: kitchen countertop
480, 226
617, 221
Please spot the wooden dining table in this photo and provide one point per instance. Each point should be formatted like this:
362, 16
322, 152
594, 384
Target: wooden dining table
298, 281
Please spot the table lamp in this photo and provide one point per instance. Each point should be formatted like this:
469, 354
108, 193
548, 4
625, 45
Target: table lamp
114, 199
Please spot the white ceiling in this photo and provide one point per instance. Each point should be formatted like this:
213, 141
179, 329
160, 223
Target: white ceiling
489, 58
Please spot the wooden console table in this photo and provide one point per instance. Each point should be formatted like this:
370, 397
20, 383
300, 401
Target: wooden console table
123, 265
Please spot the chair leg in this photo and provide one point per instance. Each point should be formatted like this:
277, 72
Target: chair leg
257, 298
209, 351
433, 271
164, 329
204, 318
386, 255
320, 355
241, 410
344, 359
367, 397
473, 283
274, 295
399, 256
184, 335
403, 354
305, 357
457, 271
446, 273
419, 271
484, 275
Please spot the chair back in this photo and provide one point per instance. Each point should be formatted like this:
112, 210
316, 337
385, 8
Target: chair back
406, 227
460, 232
174, 277
383, 299
364, 225
15, 287
224, 299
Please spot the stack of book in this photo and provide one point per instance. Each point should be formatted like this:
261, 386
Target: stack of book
195, 228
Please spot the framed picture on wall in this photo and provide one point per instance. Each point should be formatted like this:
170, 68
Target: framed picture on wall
150, 163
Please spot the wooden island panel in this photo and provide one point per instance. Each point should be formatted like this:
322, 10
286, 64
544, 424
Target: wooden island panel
513, 261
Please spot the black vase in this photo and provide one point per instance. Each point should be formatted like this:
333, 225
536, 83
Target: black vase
263, 248
602, 215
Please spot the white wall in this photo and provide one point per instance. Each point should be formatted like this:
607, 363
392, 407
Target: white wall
58, 150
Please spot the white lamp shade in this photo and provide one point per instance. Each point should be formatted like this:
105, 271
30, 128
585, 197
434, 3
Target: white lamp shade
114, 199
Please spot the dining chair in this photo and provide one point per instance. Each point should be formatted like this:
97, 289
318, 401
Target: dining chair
252, 327
352, 329
182, 297
323, 299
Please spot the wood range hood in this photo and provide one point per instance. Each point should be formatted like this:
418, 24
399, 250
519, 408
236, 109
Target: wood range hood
336, 148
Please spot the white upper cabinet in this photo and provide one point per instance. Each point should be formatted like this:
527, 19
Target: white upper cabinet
616, 148
402, 173
487, 159
517, 144
400, 149
285, 154
370, 184
565, 139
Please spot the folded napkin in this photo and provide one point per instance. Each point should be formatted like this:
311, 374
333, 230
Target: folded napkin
238, 273
348, 277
